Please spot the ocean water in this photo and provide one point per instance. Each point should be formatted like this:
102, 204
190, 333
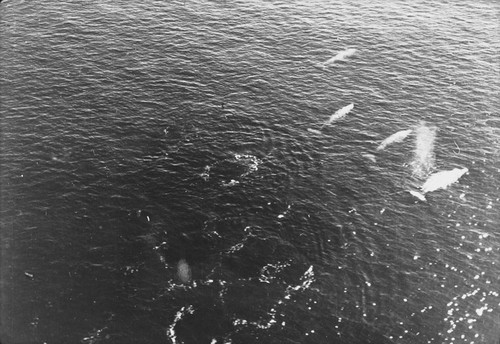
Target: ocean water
166, 176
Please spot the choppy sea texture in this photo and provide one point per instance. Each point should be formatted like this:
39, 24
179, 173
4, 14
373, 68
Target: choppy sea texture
164, 178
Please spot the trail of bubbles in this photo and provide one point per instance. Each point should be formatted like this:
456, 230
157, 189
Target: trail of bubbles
178, 316
307, 279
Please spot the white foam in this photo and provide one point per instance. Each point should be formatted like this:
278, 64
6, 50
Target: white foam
423, 154
205, 175
252, 162
232, 182
178, 316
307, 279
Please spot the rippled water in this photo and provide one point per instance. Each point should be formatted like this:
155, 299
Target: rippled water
166, 176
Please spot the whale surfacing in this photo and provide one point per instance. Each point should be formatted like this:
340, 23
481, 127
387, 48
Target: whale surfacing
442, 179
396, 137
339, 114
418, 195
314, 131
340, 56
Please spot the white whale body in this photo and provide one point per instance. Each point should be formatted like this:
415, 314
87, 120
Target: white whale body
369, 156
443, 179
418, 195
314, 131
340, 56
339, 114
396, 137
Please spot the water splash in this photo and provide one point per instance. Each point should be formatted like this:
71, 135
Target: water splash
95, 336
423, 155
205, 175
232, 182
250, 161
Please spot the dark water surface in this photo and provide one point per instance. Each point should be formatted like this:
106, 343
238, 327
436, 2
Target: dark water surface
160, 181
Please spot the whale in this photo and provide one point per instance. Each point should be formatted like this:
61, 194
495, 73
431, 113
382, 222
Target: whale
339, 114
314, 131
340, 56
369, 156
396, 137
418, 195
443, 179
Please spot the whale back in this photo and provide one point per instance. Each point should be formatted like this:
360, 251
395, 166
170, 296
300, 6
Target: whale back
340, 113
396, 137
443, 179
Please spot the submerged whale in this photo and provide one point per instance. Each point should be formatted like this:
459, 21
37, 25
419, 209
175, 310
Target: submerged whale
396, 137
183, 271
442, 179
